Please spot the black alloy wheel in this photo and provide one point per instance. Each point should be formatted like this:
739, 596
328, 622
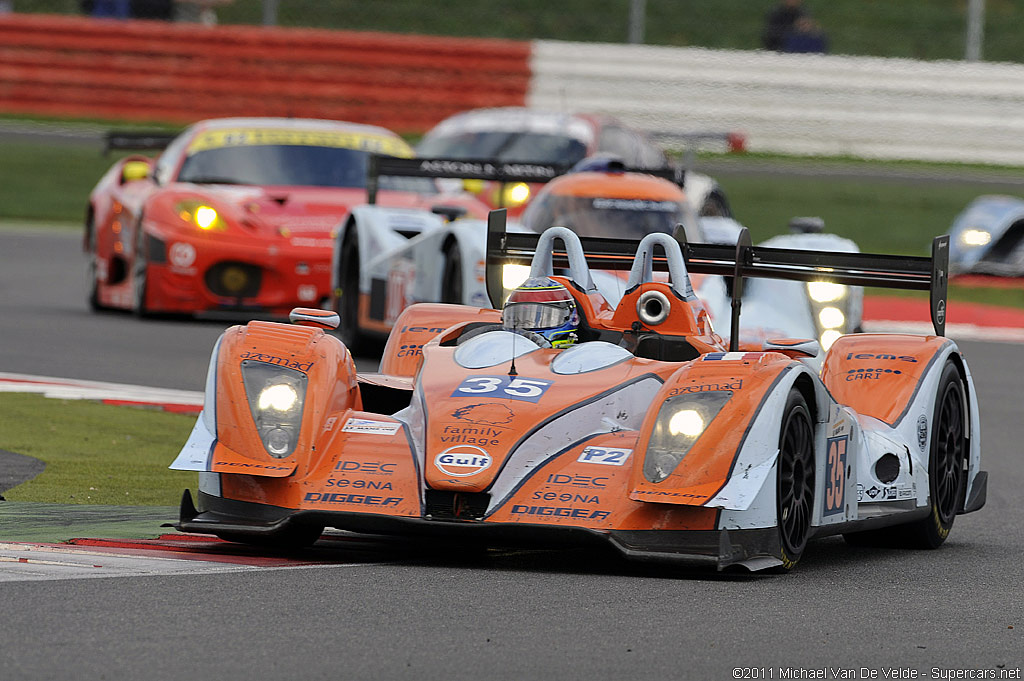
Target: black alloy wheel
795, 483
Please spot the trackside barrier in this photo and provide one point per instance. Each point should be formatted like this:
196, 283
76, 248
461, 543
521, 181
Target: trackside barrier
180, 73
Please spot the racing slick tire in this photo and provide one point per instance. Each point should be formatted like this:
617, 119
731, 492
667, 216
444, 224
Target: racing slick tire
139, 292
451, 280
295, 538
946, 473
795, 480
347, 298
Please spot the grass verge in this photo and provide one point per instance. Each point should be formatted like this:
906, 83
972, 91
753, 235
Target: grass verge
95, 453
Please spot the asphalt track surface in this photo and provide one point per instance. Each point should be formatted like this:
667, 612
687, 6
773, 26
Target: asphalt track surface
387, 611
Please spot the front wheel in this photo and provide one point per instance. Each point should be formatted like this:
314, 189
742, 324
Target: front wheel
795, 479
347, 297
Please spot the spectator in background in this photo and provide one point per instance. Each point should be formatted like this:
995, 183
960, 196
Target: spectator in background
779, 22
805, 37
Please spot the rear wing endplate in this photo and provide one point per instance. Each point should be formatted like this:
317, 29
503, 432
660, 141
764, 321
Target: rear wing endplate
739, 261
136, 141
464, 169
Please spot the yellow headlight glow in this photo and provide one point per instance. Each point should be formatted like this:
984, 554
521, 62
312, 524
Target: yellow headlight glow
831, 317
686, 422
975, 237
206, 217
279, 397
825, 291
517, 194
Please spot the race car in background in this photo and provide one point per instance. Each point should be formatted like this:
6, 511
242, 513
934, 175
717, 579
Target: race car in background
524, 135
988, 237
646, 434
235, 214
386, 258
824, 309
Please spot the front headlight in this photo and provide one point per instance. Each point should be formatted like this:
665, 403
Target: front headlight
831, 317
515, 195
201, 215
825, 291
680, 423
828, 337
276, 396
975, 237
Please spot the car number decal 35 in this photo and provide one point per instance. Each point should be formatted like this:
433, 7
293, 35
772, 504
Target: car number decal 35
835, 475
508, 387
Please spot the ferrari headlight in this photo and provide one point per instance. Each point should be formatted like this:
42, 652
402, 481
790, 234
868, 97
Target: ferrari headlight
276, 396
975, 237
680, 423
831, 317
825, 291
516, 194
828, 337
201, 215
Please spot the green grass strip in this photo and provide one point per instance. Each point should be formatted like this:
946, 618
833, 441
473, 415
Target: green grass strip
95, 453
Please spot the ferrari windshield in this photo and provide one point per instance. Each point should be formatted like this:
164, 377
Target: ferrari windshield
604, 217
503, 145
290, 166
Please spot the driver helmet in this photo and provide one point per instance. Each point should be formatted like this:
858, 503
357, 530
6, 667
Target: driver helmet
542, 305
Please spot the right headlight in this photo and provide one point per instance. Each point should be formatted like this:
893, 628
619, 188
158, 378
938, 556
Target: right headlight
201, 215
681, 421
276, 397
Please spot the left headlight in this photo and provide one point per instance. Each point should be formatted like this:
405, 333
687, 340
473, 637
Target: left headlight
975, 237
276, 397
515, 194
680, 423
201, 215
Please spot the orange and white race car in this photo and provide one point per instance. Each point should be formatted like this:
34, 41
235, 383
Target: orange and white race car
648, 432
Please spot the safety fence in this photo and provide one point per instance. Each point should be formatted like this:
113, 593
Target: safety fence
798, 104
156, 71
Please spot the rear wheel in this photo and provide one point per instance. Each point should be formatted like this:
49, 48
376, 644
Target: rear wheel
451, 281
946, 473
347, 298
795, 481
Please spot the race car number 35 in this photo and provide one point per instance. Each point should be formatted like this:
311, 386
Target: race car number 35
524, 389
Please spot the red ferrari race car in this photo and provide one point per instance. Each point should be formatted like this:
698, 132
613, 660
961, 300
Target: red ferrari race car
235, 214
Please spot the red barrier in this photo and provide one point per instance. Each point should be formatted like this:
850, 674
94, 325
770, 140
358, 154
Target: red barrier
156, 71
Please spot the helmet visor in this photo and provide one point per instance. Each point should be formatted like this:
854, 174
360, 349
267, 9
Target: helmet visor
532, 316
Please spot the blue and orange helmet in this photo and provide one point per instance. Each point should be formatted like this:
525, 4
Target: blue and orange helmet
542, 305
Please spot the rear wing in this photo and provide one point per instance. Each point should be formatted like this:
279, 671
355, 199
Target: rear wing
135, 140
464, 169
739, 261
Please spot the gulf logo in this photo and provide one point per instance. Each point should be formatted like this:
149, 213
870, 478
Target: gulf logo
462, 461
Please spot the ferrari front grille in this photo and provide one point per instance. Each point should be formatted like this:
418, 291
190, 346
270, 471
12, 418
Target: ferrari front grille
447, 505
233, 280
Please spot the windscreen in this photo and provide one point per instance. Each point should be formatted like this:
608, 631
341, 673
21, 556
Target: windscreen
604, 217
522, 147
290, 166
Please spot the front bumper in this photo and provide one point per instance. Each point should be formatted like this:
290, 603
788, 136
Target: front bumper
199, 274
754, 549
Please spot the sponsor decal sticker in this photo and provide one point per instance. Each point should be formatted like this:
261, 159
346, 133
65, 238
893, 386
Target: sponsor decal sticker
706, 387
344, 483
883, 357
370, 427
484, 436
560, 511
364, 499
182, 255
732, 356
410, 351
922, 431
279, 361
462, 461
366, 467
577, 480
567, 497
869, 374
606, 456
508, 387
486, 413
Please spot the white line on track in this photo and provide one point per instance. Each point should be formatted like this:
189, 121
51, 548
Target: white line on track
73, 389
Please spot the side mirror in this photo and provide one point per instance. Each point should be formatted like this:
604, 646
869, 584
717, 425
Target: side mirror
134, 170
